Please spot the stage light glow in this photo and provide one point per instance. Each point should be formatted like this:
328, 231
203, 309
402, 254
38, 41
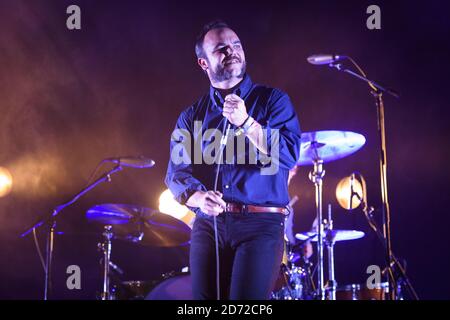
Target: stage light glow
344, 193
168, 205
6, 182
40, 175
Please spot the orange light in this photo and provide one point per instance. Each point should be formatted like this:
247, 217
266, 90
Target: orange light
169, 206
343, 193
6, 182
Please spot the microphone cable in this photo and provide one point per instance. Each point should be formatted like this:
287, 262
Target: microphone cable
223, 141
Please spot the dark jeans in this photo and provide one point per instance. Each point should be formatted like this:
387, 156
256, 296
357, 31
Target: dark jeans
250, 251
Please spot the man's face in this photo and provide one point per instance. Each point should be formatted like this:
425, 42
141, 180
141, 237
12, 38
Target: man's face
225, 58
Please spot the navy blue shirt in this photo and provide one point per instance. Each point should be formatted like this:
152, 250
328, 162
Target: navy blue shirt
241, 180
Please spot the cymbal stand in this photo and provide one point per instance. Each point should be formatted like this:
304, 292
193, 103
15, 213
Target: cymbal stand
105, 247
316, 177
329, 241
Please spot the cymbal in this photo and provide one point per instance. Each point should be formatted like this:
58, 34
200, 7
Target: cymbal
328, 145
337, 235
141, 225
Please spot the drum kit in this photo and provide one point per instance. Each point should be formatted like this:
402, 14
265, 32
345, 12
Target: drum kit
152, 228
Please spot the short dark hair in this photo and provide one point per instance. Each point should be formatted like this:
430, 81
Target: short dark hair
216, 24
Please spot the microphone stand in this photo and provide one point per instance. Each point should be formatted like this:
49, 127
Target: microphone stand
368, 210
50, 222
377, 92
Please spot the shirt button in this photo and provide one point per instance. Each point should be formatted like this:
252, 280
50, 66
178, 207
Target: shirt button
227, 186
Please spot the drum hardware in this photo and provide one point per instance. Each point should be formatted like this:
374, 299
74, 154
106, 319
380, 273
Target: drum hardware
311, 287
137, 225
316, 177
110, 270
331, 236
292, 285
329, 241
295, 280
105, 247
318, 148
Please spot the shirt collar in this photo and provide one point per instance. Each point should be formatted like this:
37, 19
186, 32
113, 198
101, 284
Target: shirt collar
241, 90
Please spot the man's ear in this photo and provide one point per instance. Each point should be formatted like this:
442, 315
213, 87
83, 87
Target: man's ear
202, 63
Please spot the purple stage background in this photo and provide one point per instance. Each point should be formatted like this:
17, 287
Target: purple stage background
71, 98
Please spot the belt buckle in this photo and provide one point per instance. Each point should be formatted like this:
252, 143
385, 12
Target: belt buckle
244, 208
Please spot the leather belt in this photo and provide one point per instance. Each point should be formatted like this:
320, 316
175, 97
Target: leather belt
240, 208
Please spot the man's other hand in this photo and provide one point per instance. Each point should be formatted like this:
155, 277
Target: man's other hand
210, 202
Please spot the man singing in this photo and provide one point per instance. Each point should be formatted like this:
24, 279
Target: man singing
250, 201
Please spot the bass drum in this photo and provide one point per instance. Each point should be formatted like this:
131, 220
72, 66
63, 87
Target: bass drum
174, 286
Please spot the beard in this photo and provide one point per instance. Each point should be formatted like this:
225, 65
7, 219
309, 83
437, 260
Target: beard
221, 73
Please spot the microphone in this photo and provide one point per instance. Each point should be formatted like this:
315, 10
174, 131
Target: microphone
319, 59
352, 192
224, 139
227, 126
133, 162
